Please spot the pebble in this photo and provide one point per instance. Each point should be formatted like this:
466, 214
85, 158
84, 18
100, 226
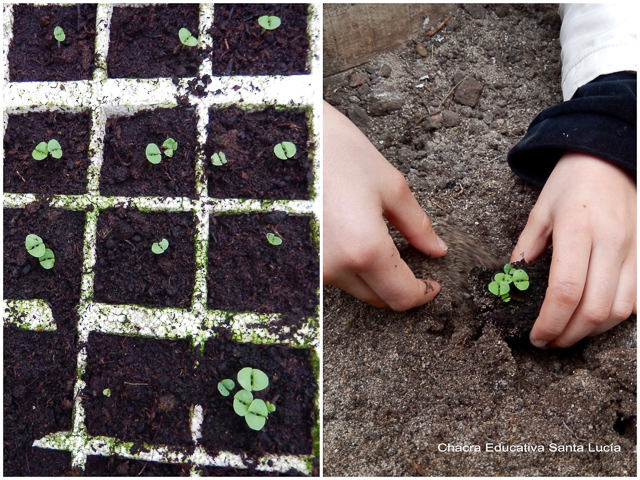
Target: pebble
358, 79
421, 49
385, 102
385, 71
468, 92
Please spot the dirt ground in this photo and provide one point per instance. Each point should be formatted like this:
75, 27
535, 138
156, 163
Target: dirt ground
398, 385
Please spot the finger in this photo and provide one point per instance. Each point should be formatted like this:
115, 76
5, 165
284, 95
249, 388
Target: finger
534, 239
567, 278
624, 304
402, 210
394, 282
355, 286
597, 299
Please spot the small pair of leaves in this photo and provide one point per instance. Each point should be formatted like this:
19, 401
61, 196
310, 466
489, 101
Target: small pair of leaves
269, 22
520, 279
43, 149
160, 247
285, 150
186, 38
252, 379
153, 152
59, 35
255, 411
274, 239
225, 386
36, 247
218, 159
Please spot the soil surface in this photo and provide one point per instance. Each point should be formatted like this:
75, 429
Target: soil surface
396, 385
98, 466
247, 273
128, 272
242, 47
35, 55
66, 175
126, 171
144, 42
247, 139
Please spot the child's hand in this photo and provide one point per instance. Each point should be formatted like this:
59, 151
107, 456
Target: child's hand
360, 187
588, 209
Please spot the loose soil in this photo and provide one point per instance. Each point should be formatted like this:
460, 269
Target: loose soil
252, 169
39, 373
126, 170
144, 42
24, 278
34, 54
292, 389
97, 466
242, 47
128, 272
66, 175
247, 273
151, 385
396, 385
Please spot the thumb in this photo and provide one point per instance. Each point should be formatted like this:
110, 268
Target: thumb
403, 212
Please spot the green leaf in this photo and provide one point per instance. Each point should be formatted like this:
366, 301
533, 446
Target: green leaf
48, 259
54, 148
153, 153
522, 285
508, 268
225, 386
241, 402
170, 146
34, 245
219, 159
271, 407
274, 239
504, 288
41, 152
494, 287
186, 38
59, 34
257, 414
519, 275
506, 298
285, 150
269, 22
499, 277
253, 379
160, 247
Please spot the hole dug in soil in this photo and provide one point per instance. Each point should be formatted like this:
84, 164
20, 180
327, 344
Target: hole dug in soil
66, 175
34, 54
126, 171
252, 170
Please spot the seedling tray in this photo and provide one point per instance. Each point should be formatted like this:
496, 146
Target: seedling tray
112, 358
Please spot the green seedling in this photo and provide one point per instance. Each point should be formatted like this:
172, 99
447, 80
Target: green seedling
219, 159
269, 22
274, 239
255, 411
59, 35
160, 247
186, 38
36, 247
170, 146
43, 149
501, 284
106, 392
284, 150
153, 153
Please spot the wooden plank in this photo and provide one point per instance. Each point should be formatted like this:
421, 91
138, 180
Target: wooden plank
356, 33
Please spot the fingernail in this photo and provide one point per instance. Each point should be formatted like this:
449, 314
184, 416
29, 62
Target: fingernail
442, 245
539, 344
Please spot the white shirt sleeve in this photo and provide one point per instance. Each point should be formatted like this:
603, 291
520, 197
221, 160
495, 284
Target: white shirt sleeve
596, 39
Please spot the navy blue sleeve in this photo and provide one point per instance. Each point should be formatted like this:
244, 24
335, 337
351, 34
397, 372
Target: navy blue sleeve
599, 120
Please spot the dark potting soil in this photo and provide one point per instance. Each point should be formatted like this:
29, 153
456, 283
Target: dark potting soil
516, 317
247, 273
34, 53
144, 41
151, 385
292, 388
252, 169
247, 472
126, 170
39, 374
24, 278
128, 272
242, 47
98, 466
66, 175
